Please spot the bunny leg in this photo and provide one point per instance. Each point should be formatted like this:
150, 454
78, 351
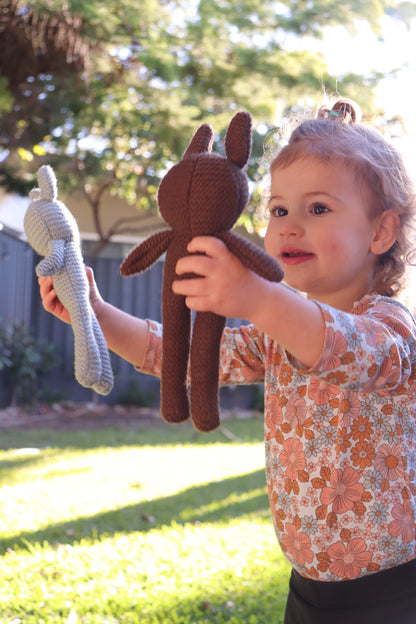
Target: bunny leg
105, 382
72, 290
87, 361
205, 356
174, 402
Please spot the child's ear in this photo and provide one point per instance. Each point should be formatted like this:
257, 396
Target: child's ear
385, 232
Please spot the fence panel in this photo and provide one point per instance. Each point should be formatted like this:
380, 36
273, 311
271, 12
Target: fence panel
20, 302
16, 280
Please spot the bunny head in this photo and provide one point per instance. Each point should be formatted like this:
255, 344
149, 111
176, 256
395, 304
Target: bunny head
46, 218
205, 193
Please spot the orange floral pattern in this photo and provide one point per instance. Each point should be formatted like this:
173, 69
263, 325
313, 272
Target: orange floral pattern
292, 457
340, 437
348, 560
343, 490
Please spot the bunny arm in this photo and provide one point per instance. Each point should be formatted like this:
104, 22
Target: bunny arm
146, 254
54, 261
253, 257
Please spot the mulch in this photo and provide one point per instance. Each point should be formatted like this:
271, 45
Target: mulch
69, 416
72, 416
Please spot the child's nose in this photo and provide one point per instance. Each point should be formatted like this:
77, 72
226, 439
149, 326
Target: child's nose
290, 226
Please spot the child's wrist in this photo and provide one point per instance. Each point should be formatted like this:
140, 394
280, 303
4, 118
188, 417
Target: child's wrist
257, 301
264, 305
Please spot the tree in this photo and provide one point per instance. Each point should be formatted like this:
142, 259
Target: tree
110, 93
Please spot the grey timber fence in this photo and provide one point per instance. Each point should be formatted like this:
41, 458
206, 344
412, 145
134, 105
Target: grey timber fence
20, 304
139, 295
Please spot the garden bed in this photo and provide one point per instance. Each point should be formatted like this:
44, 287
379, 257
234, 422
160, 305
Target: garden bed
70, 415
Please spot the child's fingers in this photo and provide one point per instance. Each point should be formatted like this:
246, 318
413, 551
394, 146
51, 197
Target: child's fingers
45, 286
204, 250
50, 301
95, 296
90, 274
194, 292
189, 287
210, 245
45, 282
196, 264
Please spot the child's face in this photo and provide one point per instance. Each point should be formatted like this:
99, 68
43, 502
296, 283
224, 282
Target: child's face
320, 230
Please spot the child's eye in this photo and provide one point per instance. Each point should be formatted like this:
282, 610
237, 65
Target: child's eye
319, 209
278, 211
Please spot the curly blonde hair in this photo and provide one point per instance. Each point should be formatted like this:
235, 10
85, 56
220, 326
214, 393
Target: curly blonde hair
336, 133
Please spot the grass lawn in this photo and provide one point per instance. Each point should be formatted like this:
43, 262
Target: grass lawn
137, 526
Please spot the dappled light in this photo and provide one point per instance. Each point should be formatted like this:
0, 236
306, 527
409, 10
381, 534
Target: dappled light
152, 528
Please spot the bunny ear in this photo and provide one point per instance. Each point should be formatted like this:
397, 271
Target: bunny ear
47, 183
201, 141
238, 139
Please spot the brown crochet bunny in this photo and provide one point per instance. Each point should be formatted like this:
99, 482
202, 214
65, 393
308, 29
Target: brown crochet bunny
202, 195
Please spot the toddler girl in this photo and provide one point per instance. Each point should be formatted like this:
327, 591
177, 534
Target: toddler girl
336, 352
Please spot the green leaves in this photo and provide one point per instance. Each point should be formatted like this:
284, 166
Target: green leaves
23, 361
155, 71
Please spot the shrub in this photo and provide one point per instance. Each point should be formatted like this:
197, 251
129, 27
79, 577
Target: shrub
133, 394
24, 361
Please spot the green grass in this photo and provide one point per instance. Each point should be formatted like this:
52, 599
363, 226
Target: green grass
137, 526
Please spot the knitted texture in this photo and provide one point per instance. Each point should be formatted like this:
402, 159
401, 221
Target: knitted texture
53, 233
203, 194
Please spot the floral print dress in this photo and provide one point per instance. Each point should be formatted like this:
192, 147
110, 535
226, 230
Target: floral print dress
340, 437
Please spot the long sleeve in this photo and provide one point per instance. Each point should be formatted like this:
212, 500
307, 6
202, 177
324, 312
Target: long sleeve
372, 349
242, 357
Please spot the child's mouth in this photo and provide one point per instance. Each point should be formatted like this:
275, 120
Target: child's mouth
295, 257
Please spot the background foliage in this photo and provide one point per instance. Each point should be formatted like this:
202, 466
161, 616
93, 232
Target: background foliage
25, 362
110, 93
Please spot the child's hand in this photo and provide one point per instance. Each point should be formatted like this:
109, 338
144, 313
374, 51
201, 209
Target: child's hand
52, 304
226, 286
50, 300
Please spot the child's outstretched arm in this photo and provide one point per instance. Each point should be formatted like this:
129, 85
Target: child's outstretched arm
125, 335
228, 288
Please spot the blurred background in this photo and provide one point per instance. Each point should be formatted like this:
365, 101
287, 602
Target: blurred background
110, 93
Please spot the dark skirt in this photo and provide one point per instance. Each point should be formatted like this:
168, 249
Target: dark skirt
380, 598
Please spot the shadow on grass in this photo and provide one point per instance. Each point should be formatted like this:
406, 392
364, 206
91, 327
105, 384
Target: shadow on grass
9, 466
33, 448
218, 501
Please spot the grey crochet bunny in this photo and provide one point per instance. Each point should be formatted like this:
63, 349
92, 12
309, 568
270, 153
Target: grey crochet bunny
53, 232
